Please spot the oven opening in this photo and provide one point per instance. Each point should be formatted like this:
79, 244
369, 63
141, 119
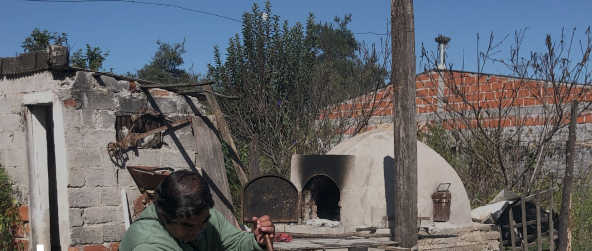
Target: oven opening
321, 199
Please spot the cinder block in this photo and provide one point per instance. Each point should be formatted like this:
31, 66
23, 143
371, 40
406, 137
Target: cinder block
84, 197
58, 55
76, 219
164, 105
111, 196
83, 157
76, 178
84, 81
181, 136
98, 138
15, 158
177, 160
106, 120
77, 118
98, 100
12, 140
145, 157
28, 61
10, 122
42, 61
87, 235
113, 233
124, 178
11, 65
112, 85
75, 136
129, 105
100, 177
19, 175
99, 215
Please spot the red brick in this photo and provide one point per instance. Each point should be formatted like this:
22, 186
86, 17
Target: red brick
95, 248
73, 249
115, 246
25, 244
529, 102
70, 103
24, 212
423, 77
132, 86
20, 231
581, 119
160, 93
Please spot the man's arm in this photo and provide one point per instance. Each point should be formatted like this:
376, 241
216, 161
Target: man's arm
233, 239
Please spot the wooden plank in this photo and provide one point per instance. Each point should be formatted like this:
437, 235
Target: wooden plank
528, 223
512, 238
254, 171
337, 243
168, 86
210, 159
532, 197
501, 239
538, 219
225, 133
544, 239
551, 228
524, 231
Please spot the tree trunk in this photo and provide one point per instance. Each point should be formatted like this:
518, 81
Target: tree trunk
405, 125
565, 217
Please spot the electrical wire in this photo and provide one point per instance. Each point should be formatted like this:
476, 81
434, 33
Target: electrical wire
132, 1
163, 4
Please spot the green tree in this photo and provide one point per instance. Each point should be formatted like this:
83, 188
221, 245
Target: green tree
40, 40
9, 214
91, 59
166, 65
289, 80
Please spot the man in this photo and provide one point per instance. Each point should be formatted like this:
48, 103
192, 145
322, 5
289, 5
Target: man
182, 218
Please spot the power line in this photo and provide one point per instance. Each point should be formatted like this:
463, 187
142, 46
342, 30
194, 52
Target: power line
131, 1
163, 4
372, 33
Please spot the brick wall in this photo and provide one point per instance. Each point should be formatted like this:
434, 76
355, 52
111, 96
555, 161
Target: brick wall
484, 91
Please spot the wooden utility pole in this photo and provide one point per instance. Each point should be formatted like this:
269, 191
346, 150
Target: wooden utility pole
403, 81
565, 217
225, 132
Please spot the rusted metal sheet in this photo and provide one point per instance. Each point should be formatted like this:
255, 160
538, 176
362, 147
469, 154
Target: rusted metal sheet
270, 195
441, 202
148, 178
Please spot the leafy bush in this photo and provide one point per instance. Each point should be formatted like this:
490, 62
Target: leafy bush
581, 217
9, 214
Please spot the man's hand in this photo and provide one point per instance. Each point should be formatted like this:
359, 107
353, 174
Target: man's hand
263, 226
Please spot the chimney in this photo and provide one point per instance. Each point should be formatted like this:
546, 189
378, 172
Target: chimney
442, 44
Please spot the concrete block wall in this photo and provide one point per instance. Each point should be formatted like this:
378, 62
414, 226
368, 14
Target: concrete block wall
13, 133
95, 179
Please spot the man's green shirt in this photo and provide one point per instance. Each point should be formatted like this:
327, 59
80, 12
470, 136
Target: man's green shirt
218, 235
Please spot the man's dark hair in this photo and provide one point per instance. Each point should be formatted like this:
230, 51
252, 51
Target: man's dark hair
182, 194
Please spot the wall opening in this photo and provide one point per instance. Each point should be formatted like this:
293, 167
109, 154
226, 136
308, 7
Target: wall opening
321, 198
128, 125
43, 191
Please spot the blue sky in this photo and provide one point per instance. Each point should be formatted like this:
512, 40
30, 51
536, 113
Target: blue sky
130, 31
